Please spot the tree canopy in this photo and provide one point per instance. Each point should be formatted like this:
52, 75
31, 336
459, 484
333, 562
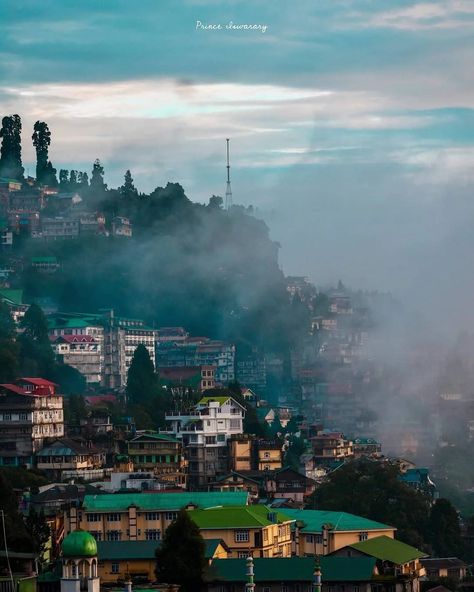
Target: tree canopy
181, 557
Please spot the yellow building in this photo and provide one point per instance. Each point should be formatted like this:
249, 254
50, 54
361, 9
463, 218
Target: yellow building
319, 532
140, 516
159, 453
137, 558
248, 453
256, 530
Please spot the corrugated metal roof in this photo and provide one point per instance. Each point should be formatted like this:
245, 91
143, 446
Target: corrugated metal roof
293, 569
164, 501
314, 520
388, 549
254, 516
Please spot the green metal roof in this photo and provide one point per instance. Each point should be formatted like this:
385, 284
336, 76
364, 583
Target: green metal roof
254, 516
293, 569
116, 550
14, 296
220, 400
163, 501
314, 520
387, 549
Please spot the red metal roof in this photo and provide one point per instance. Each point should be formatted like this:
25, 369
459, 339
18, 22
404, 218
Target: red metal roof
14, 388
38, 381
74, 338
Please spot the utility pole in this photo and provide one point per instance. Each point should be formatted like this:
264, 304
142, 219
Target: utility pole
228, 190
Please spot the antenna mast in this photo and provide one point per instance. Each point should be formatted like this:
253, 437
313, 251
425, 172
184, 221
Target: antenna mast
228, 190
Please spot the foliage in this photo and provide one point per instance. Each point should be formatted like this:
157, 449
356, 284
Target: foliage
38, 529
17, 536
36, 356
45, 173
8, 346
142, 381
75, 409
181, 557
374, 490
10, 152
445, 530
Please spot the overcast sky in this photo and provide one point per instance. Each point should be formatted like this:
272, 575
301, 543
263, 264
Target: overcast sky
351, 121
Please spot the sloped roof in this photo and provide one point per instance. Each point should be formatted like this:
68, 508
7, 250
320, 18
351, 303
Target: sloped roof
314, 520
254, 516
14, 296
154, 436
387, 549
164, 501
293, 569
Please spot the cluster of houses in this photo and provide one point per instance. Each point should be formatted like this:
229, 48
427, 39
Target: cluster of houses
48, 213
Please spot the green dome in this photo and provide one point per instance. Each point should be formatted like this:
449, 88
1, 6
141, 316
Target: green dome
79, 543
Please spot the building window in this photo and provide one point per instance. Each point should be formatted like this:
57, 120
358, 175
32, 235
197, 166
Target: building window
114, 535
241, 536
115, 568
115, 517
152, 535
7, 416
171, 515
96, 534
93, 517
242, 554
363, 536
151, 515
23, 416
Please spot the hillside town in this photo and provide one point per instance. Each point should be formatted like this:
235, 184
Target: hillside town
238, 446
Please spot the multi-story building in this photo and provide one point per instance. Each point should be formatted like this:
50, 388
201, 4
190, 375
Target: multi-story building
30, 411
204, 432
331, 446
175, 348
140, 516
251, 369
200, 378
121, 227
117, 339
60, 228
320, 532
248, 453
247, 530
367, 447
82, 352
159, 453
66, 454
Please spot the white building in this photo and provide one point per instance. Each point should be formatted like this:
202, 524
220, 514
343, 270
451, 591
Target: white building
83, 352
204, 432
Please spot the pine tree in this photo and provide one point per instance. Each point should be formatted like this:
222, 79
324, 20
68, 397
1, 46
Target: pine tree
445, 530
128, 189
63, 179
142, 381
38, 529
8, 346
97, 178
36, 353
181, 558
10, 152
45, 173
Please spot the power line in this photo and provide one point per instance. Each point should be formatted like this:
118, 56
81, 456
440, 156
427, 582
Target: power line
228, 190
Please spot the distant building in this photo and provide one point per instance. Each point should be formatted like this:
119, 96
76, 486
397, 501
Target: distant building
82, 352
200, 378
30, 411
366, 447
249, 453
444, 567
121, 227
60, 228
331, 446
251, 369
45, 264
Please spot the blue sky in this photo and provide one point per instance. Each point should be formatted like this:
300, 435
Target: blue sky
351, 121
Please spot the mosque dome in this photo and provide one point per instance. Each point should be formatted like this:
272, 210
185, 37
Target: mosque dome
79, 543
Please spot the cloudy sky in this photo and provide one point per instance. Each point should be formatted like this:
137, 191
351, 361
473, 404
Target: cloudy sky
351, 121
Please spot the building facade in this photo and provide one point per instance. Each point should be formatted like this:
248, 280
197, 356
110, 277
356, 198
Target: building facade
30, 411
